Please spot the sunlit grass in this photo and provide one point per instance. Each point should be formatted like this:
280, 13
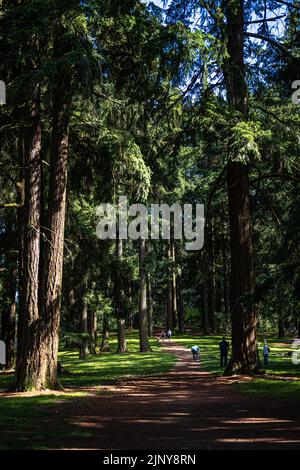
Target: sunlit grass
111, 366
107, 367
266, 388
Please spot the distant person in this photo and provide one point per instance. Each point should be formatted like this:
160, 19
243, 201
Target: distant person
169, 334
196, 353
162, 336
224, 348
266, 353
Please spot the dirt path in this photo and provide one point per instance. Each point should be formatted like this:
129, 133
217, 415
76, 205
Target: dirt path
184, 409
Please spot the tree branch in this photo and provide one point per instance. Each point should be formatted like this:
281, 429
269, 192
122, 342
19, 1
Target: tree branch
289, 123
264, 20
271, 41
275, 175
12, 205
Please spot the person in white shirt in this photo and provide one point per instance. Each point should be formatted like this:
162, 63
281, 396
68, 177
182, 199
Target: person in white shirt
169, 334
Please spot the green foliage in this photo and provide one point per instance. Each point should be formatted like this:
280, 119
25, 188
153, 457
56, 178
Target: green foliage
244, 146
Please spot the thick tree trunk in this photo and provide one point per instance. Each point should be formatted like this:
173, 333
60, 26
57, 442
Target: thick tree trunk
54, 246
245, 358
122, 347
30, 356
143, 317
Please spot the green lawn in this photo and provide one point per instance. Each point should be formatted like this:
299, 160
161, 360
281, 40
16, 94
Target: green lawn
111, 366
97, 370
24, 419
280, 364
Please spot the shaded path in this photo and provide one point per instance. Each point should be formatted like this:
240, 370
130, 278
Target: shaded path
184, 409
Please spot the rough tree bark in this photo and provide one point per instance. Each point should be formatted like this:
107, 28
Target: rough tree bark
245, 358
30, 357
122, 345
54, 246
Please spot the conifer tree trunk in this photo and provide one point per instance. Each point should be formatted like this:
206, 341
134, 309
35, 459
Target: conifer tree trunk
143, 317
84, 325
122, 346
149, 299
131, 312
54, 246
105, 334
30, 357
245, 357
211, 281
170, 305
119, 294
93, 332
149, 306
174, 286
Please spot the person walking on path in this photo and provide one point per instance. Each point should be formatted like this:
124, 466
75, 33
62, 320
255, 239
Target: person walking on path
162, 336
196, 353
224, 348
169, 335
266, 352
